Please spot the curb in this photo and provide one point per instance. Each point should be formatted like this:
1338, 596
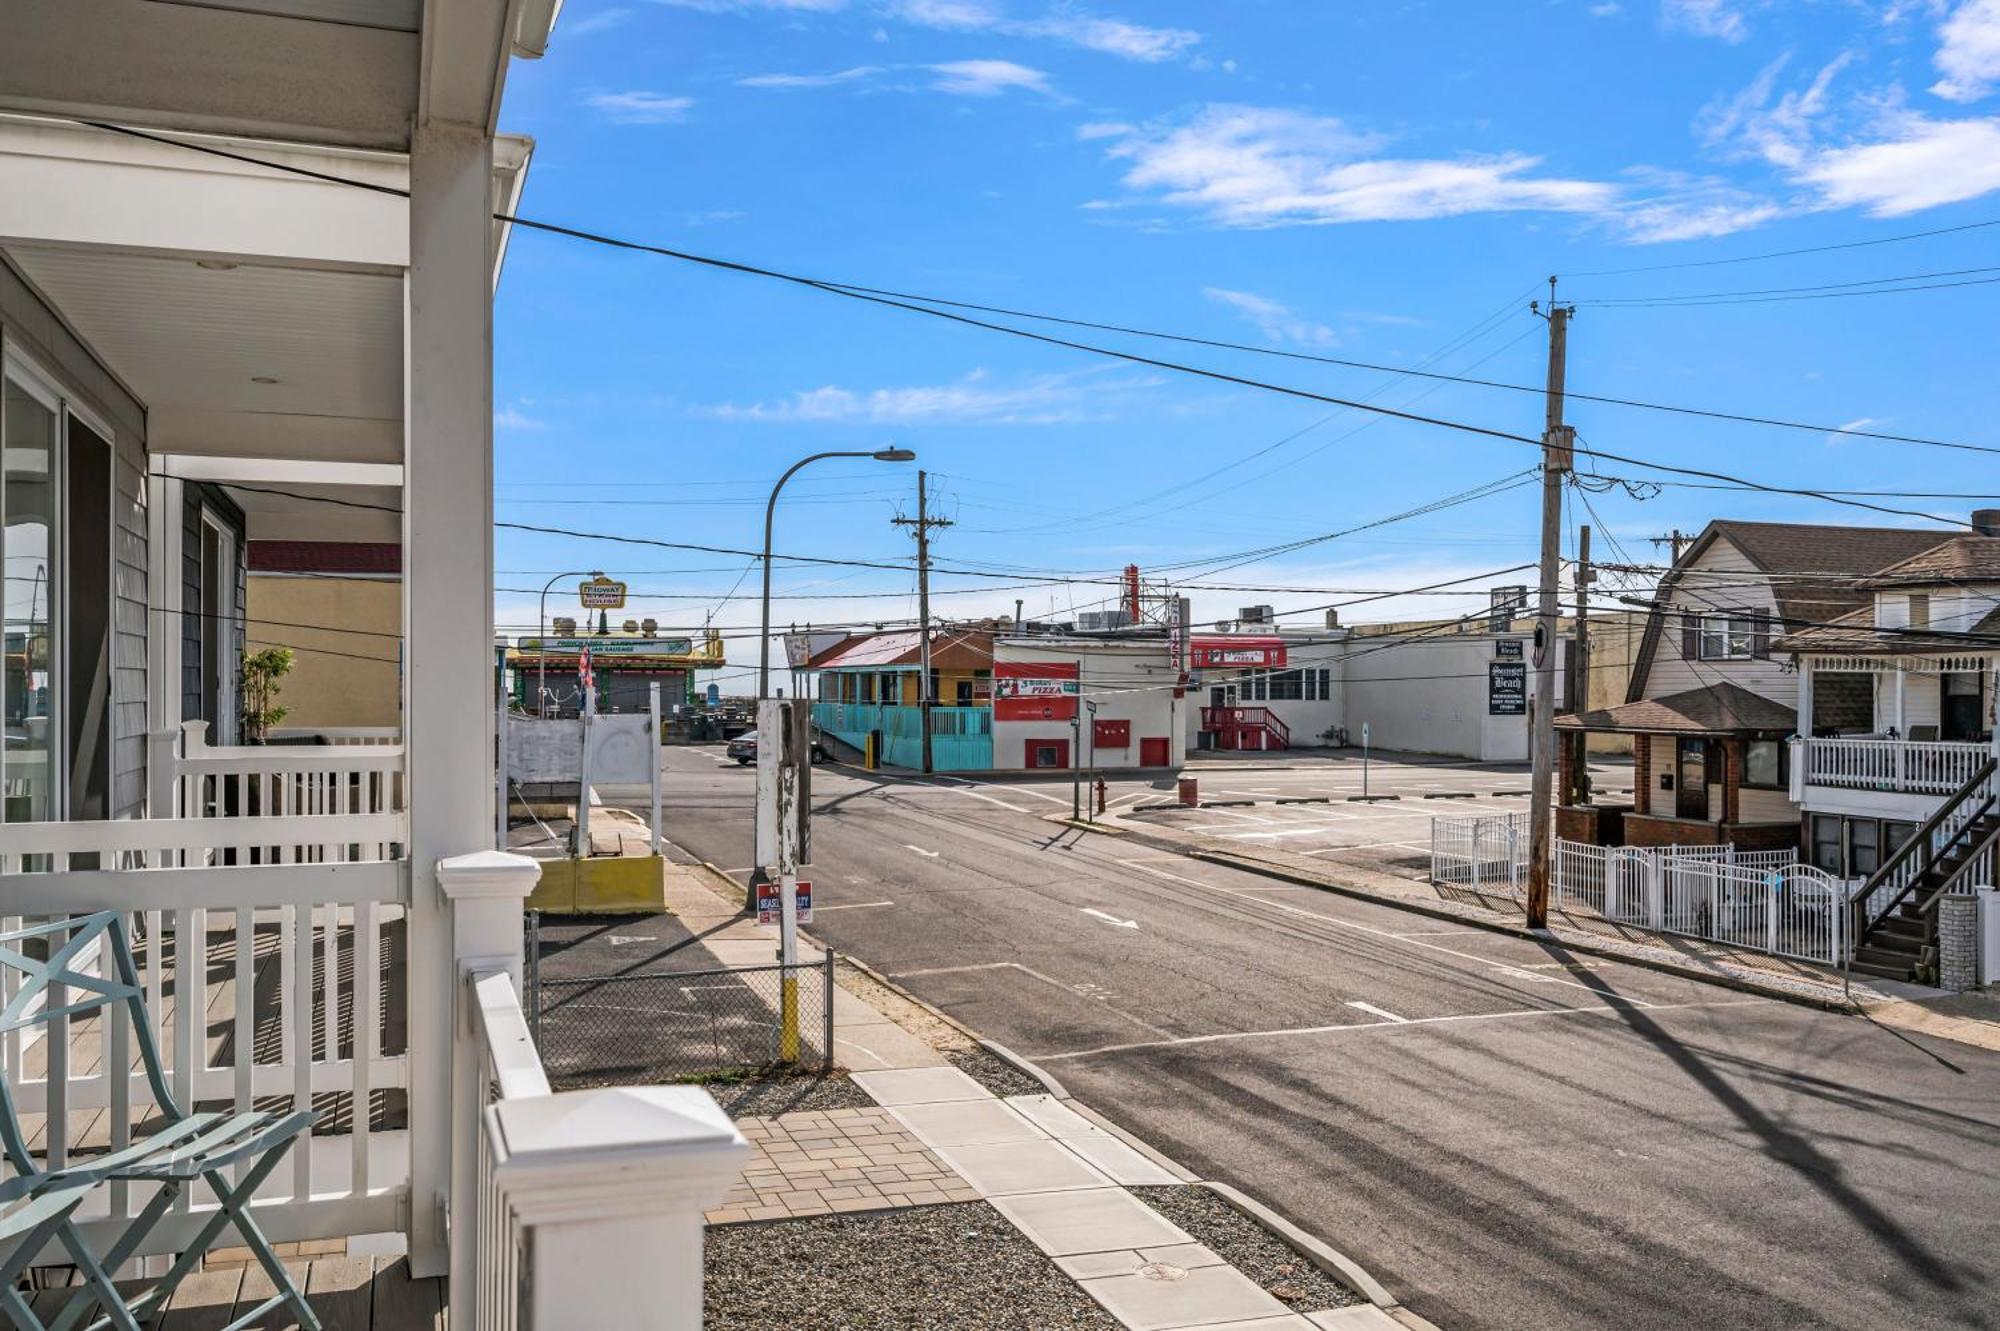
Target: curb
1322, 1254
1015, 1061
1665, 967
1082, 824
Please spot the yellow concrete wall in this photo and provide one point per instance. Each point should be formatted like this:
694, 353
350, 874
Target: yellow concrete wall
325, 689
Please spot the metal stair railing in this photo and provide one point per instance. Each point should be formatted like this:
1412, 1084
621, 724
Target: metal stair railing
1917, 856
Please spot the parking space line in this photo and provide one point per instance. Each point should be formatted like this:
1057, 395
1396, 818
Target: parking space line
1374, 1011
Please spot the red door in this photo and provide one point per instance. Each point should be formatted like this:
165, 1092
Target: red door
1048, 753
1154, 752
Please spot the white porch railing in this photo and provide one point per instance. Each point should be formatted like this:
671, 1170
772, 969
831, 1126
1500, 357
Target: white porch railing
1904, 766
193, 779
341, 735
261, 980
575, 1209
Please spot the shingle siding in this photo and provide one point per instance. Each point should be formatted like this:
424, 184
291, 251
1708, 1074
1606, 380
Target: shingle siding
1733, 584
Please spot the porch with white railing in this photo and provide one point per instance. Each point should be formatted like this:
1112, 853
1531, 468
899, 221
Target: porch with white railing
279, 963
1916, 767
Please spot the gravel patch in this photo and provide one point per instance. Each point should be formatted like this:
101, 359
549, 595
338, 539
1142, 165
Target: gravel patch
957, 1267
1289, 1275
993, 1072
767, 1097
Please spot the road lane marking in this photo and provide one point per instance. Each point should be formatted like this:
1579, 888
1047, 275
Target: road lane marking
921, 851
1409, 1022
857, 905
1093, 992
1383, 1013
962, 790
1505, 968
1109, 918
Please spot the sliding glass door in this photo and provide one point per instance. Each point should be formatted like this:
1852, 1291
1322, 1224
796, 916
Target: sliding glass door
29, 413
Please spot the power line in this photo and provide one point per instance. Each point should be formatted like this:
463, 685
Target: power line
1787, 254
1806, 293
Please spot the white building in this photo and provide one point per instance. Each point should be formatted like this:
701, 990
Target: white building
284, 278
1454, 694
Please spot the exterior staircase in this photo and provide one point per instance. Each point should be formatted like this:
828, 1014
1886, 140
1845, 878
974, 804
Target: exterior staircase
1894, 913
1254, 728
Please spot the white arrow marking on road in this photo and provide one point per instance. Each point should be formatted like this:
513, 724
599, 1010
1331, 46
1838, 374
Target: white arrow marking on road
1109, 918
921, 851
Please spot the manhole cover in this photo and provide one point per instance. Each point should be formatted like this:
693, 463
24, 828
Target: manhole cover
1163, 1271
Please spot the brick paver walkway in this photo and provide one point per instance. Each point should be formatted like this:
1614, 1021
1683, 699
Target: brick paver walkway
818, 1162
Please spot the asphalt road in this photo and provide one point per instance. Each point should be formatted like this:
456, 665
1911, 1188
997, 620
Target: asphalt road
1508, 1136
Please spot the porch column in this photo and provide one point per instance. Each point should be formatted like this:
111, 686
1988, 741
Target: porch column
1805, 721
448, 613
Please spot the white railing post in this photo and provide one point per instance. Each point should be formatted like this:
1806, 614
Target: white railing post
609, 1188
485, 891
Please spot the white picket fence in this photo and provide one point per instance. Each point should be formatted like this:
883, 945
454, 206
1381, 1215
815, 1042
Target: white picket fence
1762, 900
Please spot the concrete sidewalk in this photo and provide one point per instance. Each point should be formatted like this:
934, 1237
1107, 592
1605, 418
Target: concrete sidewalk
1059, 1176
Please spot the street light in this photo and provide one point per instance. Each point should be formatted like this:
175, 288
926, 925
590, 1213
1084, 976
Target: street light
542, 638
770, 510
761, 853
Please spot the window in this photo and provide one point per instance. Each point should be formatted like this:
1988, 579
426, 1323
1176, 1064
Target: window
1864, 847
1765, 764
1326, 685
1256, 687
28, 490
1920, 610
1895, 834
1286, 686
1730, 637
1826, 843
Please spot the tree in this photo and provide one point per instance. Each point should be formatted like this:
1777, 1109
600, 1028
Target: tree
261, 673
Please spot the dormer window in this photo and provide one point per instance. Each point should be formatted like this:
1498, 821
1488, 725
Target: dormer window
1729, 637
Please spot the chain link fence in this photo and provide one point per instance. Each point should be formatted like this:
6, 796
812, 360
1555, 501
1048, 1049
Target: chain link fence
681, 1025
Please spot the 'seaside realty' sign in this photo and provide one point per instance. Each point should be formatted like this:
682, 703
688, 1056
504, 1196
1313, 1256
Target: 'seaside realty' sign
1034, 690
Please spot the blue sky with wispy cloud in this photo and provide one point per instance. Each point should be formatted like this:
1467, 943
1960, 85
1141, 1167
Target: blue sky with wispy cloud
1369, 181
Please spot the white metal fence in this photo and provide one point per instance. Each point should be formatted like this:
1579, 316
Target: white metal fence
1763, 900
1484, 854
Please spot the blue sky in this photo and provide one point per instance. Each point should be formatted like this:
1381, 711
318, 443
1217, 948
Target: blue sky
1377, 181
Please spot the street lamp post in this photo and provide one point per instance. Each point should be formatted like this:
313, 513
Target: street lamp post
770, 511
762, 853
542, 638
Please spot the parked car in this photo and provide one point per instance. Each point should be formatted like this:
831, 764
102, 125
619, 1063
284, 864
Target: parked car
744, 748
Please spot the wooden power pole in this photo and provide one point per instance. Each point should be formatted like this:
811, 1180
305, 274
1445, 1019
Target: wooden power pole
1579, 673
1558, 448
922, 524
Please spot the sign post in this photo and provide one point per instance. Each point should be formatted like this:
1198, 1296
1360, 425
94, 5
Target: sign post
1364, 760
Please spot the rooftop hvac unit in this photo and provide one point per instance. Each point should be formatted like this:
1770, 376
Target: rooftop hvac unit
1333, 619
564, 626
649, 627
1255, 614
1101, 621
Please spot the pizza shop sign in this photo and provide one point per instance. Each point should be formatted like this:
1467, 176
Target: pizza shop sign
1238, 652
1034, 690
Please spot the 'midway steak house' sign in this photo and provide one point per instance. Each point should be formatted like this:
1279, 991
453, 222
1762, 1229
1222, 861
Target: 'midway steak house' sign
1239, 652
1034, 690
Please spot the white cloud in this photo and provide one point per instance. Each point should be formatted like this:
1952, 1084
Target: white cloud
597, 22
510, 418
736, 6
1610, 9
1257, 166
1968, 53
1045, 400
853, 75
987, 78
1838, 435
1275, 320
1112, 36
1104, 129
1916, 163
642, 108
1780, 132
1722, 19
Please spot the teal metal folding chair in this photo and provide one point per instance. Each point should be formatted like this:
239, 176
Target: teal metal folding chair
186, 1147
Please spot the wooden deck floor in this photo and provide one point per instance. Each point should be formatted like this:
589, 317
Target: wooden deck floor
348, 1293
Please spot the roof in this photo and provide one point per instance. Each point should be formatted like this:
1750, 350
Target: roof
951, 649
1719, 709
1960, 559
1793, 553
1855, 634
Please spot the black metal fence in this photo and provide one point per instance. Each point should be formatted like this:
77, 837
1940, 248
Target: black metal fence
683, 1025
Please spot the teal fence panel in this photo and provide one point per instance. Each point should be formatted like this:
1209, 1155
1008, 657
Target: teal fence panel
961, 737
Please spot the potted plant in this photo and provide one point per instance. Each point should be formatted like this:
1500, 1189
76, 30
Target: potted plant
262, 672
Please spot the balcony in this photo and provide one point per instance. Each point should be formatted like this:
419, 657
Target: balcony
1911, 767
283, 957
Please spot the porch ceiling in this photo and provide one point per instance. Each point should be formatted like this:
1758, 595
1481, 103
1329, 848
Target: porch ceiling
184, 336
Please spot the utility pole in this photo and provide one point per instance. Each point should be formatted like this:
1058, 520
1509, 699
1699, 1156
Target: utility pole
1558, 448
926, 690
1579, 673
1676, 538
